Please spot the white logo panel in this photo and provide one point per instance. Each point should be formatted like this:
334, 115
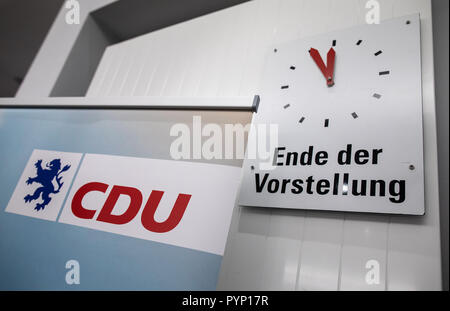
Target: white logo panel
44, 183
178, 203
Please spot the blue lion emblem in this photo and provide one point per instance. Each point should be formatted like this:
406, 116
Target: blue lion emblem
45, 178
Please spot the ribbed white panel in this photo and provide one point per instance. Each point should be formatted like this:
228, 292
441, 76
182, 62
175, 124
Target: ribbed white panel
222, 54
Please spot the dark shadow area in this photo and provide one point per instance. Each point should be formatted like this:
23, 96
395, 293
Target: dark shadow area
23, 27
132, 18
441, 53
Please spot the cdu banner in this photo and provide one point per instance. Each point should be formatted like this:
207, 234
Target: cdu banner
83, 207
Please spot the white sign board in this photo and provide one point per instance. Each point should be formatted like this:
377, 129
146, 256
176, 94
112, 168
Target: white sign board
178, 203
348, 106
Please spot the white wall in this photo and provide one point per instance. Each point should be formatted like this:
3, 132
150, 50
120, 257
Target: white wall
222, 54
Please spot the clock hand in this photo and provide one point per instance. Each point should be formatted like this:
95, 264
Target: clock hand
318, 59
327, 71
330, 67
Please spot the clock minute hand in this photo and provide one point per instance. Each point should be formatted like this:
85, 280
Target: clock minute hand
327, 71
330, 67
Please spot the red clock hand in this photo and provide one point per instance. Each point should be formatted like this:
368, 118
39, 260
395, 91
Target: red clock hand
330, 67
327, 71
318, 59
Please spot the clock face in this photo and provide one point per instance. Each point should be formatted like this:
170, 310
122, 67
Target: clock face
331, 79
355, 81
361, 87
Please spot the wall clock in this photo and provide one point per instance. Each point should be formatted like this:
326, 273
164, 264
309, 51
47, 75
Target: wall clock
351, 99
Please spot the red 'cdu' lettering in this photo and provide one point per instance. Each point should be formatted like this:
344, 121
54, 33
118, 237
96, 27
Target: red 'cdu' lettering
148, 214
77, 208
132, 210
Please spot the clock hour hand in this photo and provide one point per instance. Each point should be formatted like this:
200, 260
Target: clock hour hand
328, 70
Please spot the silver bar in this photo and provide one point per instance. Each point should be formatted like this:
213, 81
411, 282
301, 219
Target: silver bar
135, 103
